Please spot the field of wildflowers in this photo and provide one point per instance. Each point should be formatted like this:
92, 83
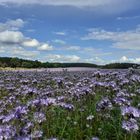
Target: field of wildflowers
70, 105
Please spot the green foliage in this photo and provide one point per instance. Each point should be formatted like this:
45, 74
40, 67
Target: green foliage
27, 65
17, 62
121, 66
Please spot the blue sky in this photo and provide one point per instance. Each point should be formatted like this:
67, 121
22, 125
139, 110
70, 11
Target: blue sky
93, 31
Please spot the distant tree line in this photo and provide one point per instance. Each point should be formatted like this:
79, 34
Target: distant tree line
121, 66
22, 63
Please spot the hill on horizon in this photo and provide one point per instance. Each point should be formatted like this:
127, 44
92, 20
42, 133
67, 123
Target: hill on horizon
15, 62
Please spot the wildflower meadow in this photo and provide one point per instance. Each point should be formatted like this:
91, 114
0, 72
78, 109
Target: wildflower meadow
92, 104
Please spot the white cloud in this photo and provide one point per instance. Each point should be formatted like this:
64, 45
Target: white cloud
59, 41
71, 58
72, 48
31, 30
2, 49
127, 18
17, 38
131, 44
69, 48
11, 37
60, 33
77, 3
60, 2
125, 59
17, 51
95, 60
14, 43
31, 43
12, 25
94, 52
22, 52
101, 34
45, 47
31, 54
121, 39
98, 6
62, 58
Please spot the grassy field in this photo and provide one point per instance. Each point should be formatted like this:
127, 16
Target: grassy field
70, 105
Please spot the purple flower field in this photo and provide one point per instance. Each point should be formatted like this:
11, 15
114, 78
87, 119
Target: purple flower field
76, 104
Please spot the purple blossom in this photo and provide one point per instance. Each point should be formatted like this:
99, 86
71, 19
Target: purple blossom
121, 101
8, 118
105, 103
7, 132
2, 117
130, 125
27, 128
130, 111
28, 95
21, 110
66, 106
23, 138
52, 139
35, 102
95, 138
39, 117
37, 134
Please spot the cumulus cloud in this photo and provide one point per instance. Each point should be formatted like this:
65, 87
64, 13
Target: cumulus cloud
121, 39
101, 34
30, 42
73, 59
14, 50
62, 58
12, 25
125, 59
13, 39
45, 47
19, 51
17, 38
95, 60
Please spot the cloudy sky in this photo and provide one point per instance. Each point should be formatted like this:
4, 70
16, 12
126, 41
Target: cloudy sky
93, 31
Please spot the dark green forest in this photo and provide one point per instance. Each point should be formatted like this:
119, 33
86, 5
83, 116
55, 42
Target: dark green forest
22, 63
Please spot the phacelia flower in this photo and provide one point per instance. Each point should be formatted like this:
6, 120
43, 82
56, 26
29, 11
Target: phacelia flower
130, 111
130, 125
39, 117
